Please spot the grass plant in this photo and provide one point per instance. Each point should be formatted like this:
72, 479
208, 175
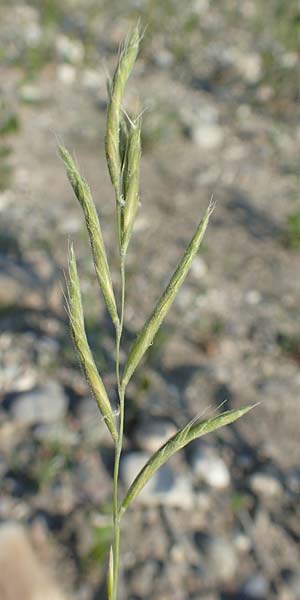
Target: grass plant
123, 153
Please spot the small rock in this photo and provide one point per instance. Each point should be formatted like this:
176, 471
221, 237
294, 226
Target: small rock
253, 297
163, 58
44, 404
220, 555
198, 267
31, 94
250, 67
93, 482
208, 136
66, 74
223, 558
93, 79
163, 488
18, 284
242, 542
22, 574
210, 467
292, 579
56, 433
265, 484
256, 587
92, 425
33, 34
153, 433
69, 50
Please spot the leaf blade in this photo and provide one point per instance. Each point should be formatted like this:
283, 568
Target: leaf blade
147, 334
183, 437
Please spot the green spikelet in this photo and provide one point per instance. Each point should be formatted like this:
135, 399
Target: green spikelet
146, 336
131, 182
84, 196
126, 61
191, 431
80, 340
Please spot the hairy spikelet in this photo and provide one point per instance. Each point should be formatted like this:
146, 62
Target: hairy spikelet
83, 194
146, 336
191, 431
80, 340
127, 57
131, 182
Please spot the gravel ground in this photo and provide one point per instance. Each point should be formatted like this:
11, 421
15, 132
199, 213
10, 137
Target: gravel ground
220, 83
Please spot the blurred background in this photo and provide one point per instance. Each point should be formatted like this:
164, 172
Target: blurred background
221, 87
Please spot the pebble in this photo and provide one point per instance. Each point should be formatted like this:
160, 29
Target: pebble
165, 487
220, 555
208, 136
93, 482
256, 587
198, 267
249, 66
22, 573
44, 404
265, 484
293, 582
223, 558
242, 542
17, 284
31, 94
66, 74
56, 433
69, 50
153, 433
93, 79
163, 58
92, 425
210, 467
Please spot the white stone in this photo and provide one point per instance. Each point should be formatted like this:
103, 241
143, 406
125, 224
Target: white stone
45, 404
223, 562
33, 34
208, 136
22, 573
69, 50
153, 433
31, 93
210, 467
164, 488
265, 484
93, 79
253, 297
250, 67
256, 587
66, 74
198, 267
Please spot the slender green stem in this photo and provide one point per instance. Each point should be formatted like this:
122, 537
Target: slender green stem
119, 443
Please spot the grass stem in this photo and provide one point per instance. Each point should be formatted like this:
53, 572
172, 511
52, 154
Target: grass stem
119, 443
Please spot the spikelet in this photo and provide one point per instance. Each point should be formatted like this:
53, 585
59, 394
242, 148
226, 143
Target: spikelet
191, 431
146, 336
84, 196
131, 182
127, 57
80, 340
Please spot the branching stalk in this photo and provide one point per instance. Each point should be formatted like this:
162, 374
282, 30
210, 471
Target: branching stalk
123, 151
